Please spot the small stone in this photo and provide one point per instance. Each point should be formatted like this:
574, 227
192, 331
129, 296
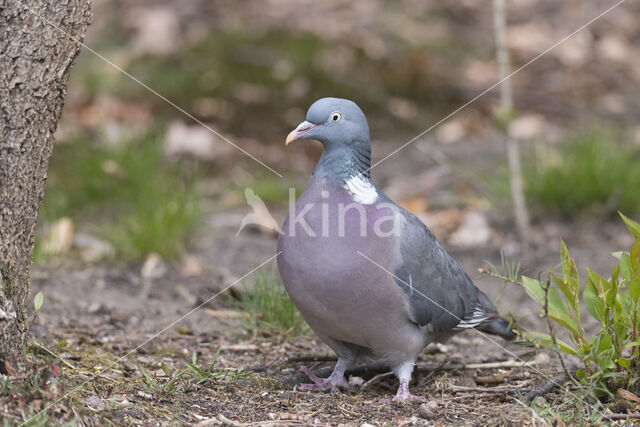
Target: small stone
432, 405
156, 30
426, 412
191, 266
356, 381
473, 231
614, 48
154, 267
442, 348
527, 126
58, 239
144, 395
540, 401
403, 108
451, 131
91, 248
195, 141
542, 359
95, 308
95, 403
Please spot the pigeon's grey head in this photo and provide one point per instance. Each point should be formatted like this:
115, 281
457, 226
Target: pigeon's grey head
341, 127
333, 121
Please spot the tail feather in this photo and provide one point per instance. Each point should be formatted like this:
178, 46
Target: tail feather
499, 327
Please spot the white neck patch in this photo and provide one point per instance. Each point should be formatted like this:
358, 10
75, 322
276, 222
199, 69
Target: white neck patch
362, 190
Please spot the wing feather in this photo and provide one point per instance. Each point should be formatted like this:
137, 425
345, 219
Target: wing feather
439, 292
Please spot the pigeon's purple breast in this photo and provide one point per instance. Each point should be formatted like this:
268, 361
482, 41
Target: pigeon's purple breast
339, 292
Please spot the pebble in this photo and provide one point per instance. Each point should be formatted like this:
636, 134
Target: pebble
427, 410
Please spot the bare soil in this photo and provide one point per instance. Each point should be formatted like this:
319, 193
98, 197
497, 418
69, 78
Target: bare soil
111, 320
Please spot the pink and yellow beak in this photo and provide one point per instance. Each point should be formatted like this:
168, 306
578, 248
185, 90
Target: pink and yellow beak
299, 132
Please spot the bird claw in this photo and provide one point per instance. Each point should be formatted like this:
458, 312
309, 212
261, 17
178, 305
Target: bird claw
322, 384
315, 387
404, 397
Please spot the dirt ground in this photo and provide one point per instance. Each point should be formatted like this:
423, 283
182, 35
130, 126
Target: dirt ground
111, 320
109, 324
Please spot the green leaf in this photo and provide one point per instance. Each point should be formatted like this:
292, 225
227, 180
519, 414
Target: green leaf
605, 343
633, 226
581, 374
617, 254
166, 369
37, 301
612, 295
567, 291
634, 255
634, 280
196, 370
625, 266
194, 358
146, 376
569, 271
590, 294
546, 340
557, 310
534, 289
624, 362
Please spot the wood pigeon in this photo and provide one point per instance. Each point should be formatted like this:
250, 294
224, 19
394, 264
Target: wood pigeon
368, 276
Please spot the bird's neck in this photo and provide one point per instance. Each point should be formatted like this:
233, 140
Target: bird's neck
341, 163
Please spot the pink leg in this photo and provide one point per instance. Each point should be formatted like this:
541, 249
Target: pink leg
336, 379
403, 373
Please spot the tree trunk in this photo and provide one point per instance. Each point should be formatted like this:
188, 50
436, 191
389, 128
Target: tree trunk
35, 59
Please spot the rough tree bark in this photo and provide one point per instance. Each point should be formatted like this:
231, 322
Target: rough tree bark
35, 60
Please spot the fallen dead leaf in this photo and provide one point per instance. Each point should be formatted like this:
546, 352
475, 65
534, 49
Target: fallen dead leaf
417, 205
490, 379
627, 395
10, 369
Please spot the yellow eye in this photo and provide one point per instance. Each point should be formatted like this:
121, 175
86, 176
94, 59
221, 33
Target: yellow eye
336, 116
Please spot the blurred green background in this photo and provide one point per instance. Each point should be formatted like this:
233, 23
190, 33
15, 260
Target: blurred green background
132, 175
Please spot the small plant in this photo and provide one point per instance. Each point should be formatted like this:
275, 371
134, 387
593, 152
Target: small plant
31, 388
610, 358
188, 378
509, 272
592, 172
577, 408
596, 169
269, 305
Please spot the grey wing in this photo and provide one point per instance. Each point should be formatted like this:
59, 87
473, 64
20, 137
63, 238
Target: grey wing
439, 292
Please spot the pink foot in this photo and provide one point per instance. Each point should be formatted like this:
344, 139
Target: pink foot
334, 381
403, 394
404, 397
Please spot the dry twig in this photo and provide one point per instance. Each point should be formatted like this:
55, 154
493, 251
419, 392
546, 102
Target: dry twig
57, 356
457, 389
374, 379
